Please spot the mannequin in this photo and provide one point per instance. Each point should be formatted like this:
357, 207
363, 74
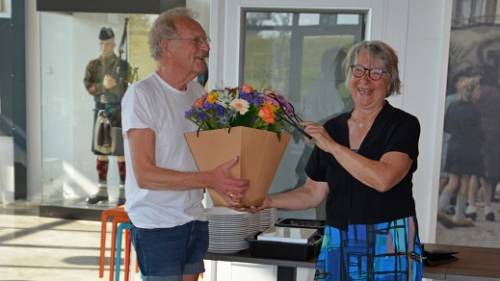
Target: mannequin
107, 79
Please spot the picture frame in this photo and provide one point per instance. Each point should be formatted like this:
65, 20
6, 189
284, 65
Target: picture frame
5, 8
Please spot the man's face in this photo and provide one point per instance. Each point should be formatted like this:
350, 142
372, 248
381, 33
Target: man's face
187, 51
107, 47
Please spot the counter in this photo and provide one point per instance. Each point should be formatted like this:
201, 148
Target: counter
474, 263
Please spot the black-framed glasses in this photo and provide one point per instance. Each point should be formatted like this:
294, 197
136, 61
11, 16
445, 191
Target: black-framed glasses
374, 74
198, 40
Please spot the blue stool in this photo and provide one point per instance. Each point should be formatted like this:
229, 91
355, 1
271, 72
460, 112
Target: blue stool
119, 233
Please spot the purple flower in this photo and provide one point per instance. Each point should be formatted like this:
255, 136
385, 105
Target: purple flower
202, 115
249, 97
219, 110
189, 113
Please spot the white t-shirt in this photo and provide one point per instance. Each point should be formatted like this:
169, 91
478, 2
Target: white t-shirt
152, 103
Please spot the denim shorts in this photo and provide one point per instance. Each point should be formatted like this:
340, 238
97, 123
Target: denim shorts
165, 254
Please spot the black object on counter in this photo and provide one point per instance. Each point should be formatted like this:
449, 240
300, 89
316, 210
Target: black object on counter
437, 257
303, 223
284, 250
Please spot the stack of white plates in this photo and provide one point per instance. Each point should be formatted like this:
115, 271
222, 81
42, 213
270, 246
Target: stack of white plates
254, 224
227, 230
267, 218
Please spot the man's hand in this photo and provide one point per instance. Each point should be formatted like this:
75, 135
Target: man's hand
230, 188
108, 82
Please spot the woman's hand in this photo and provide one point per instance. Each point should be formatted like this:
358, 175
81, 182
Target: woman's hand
320, 136
266, 204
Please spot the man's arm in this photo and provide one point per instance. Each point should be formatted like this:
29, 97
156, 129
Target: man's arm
150, 176
89, 80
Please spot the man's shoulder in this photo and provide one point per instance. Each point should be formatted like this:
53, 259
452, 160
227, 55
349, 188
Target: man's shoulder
94, 62
145, 83
142, 87
93, 65
195, 88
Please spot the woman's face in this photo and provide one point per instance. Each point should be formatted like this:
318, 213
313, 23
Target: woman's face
366, 92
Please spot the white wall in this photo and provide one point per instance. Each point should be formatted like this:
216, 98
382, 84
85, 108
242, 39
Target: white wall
426, 64
33, 100
202, 9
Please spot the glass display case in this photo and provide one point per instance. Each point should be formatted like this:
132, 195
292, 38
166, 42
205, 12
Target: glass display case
70, 42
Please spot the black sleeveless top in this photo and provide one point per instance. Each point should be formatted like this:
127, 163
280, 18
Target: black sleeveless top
351, 202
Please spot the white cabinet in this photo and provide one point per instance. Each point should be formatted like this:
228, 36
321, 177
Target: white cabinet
228, 271
232, 271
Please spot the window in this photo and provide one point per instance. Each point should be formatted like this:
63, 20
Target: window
300, 53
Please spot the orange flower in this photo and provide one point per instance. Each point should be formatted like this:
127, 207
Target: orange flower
198, 103
247, 89
266, 113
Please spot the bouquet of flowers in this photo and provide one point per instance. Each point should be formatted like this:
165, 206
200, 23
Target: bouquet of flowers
242, 122
243, 106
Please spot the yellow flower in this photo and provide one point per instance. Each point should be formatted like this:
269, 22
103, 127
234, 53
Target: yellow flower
240, 105
212, 97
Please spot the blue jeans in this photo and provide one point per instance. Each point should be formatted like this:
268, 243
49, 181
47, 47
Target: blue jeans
165, 254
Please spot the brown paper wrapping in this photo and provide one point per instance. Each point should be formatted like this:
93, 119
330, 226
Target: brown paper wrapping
259, 154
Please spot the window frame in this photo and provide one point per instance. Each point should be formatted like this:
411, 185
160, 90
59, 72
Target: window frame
227, 22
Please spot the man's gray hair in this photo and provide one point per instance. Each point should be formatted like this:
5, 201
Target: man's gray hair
164, 28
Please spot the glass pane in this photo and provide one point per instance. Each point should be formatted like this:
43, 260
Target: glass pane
470, 161
300, 54
69, 110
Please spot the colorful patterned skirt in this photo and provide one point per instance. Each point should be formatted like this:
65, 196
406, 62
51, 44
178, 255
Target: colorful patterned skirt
376, 252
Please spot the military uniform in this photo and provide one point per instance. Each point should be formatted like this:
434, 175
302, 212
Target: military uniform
106, 79
107, 138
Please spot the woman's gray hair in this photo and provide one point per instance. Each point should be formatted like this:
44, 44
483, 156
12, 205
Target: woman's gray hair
381, 51
164, 28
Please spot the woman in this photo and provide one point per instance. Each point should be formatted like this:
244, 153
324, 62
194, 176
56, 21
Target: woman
464, 161
363, 164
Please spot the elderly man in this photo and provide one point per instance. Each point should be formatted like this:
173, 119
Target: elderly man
163, 189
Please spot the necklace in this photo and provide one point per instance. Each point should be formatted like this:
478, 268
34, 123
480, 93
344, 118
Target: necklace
361, 125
